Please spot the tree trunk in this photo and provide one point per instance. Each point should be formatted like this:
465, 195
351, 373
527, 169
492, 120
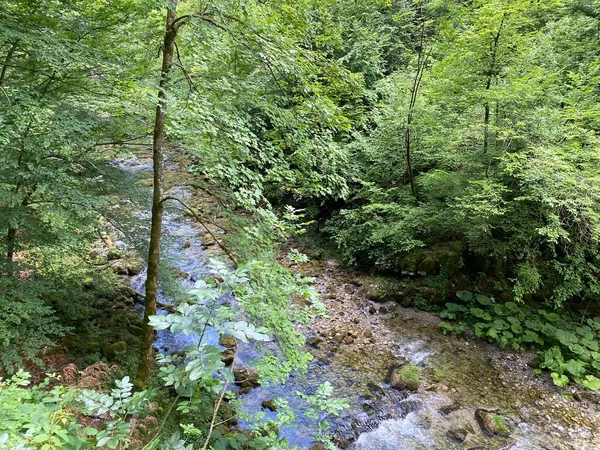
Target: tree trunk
492, 74
11, 237
9, 55
421, 62
146, 354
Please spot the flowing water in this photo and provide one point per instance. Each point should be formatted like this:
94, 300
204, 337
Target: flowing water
381, 418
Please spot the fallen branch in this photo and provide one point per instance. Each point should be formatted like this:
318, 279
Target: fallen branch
201, 222
164, 306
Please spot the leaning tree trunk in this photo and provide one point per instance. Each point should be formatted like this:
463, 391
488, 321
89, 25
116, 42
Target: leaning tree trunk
146, 354
491, 75
421, 62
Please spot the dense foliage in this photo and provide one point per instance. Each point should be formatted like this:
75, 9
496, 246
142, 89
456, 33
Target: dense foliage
450, 141
504, 135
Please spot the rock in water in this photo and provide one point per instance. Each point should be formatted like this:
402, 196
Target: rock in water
227, 341
269, 404
246, 378
227, 357
458, 435
405, 378
492, 423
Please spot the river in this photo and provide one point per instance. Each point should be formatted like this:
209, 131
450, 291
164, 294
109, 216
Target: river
459, 374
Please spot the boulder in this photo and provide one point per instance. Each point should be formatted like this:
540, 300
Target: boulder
227, 341
134, 267
269, 404
246, 378
114, 254
109, 351
186, 244
410, 263
429, 266
227, 357
372, 291
491, 422
405, 378
119, 267
458, 435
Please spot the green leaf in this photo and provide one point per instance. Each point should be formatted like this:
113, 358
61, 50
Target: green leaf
591, 382
559, 380
465, 296
483, 300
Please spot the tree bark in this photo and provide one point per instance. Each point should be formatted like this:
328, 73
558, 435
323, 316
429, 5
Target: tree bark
421, 62
9, 55
492, 73
146, 354
11, 237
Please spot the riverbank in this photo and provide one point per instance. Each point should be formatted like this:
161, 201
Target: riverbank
459, 375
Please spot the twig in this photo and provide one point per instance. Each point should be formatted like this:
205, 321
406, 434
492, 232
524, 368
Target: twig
163, 305
217, 407
201, 222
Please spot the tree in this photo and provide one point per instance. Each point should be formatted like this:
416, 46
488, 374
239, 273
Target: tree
158, 164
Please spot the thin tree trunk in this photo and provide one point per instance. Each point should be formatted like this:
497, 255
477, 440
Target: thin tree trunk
492, 73
9, 55
146, 354
422, 60
11, 237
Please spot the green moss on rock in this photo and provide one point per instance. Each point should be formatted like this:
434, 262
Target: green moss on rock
429, 266
110, 350
405, 378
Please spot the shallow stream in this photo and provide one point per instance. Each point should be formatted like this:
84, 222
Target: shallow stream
459, 374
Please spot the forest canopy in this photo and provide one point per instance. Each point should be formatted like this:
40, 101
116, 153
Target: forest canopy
456, 142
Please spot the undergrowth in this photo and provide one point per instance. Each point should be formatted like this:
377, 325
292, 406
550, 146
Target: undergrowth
570, 351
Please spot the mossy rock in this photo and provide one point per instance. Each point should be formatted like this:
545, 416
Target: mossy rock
227, 341
109, 351
269, 404
119, 268
372, 291
383, 290
318, 446
450, 257
94, 347
134, 267
227, 357
492, 423
246, 378
135, 330
429, 266
405, 378
114, 254
410, 263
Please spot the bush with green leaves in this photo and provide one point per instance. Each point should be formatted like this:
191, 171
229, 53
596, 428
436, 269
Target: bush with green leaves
570, 351
48, 418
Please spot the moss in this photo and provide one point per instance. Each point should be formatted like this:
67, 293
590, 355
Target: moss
429, 266
109, 351
410, 263
406, 378
410, 372
500, 422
